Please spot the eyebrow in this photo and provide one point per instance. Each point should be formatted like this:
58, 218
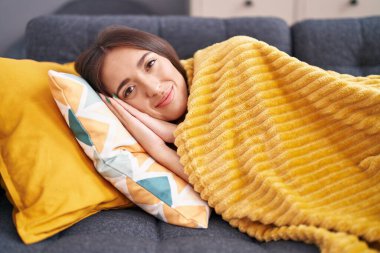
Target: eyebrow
126, 80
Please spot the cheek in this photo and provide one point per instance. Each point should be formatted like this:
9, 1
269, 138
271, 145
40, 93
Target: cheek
165, 71
182, 93
183, 88
138, 104
145, 108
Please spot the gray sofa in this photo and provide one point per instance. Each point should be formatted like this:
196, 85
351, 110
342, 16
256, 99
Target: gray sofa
347, 46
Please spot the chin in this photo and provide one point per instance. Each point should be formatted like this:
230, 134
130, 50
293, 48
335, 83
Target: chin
178, 116
165, 117
172, 116
174, 113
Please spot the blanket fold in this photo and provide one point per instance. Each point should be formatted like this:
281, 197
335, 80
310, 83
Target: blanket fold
282, 149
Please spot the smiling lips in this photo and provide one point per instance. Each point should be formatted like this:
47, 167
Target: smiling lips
167, 98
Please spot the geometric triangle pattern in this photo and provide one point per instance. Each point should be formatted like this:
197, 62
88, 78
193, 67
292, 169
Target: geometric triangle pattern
78, 130
159, 186
103, 138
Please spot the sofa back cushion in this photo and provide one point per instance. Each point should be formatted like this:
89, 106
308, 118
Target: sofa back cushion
348, 46
61, 38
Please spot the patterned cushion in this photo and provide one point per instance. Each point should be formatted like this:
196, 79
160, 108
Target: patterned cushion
121, 160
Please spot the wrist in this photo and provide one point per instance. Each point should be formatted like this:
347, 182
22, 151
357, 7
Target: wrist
170, 160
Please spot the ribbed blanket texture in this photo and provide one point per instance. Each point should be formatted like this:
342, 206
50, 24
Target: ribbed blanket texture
283, 149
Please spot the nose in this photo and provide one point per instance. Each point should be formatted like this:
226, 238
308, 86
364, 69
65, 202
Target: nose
152, 87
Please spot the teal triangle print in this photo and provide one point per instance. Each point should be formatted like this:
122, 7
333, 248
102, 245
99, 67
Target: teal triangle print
159, 187
78, 130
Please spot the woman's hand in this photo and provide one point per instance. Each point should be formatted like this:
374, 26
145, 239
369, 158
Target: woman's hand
161, 128
149, 140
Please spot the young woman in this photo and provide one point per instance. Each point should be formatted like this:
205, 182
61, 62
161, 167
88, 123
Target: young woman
140, 78
277, 144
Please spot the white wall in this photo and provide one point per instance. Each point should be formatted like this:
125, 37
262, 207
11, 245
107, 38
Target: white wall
14, 15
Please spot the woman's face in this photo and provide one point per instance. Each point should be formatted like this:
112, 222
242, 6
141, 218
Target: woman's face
146, 81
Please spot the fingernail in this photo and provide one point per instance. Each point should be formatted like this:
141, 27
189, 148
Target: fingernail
108, 100
114, 95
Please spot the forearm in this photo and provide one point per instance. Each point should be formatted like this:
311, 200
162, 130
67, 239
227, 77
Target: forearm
150, 141
156, 147
170, 160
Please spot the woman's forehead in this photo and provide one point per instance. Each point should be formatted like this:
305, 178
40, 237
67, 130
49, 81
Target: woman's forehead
119, 63
122, 52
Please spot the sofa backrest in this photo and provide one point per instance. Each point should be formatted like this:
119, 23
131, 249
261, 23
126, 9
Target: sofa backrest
349, 46
61, 38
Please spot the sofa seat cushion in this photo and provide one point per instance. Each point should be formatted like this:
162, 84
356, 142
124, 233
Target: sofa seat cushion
134, 231
349, 46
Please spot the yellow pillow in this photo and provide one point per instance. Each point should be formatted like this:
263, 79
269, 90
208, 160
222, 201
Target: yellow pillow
47, 177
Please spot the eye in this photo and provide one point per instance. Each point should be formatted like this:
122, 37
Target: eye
150, 64
128, 91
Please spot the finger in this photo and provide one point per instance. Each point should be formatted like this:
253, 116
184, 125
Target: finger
105, 99
101, 96
125, 113
143, 135
111, 105
158, 126
108, 104
135, 112
120, 109
121, 115
126, 118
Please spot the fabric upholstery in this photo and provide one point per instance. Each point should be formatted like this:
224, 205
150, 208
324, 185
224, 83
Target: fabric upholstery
350, 46
186, 34
62, 38
120, 159
294, 149
101, 7
115, 231
49, 180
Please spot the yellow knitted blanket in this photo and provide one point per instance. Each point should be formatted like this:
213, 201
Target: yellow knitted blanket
282, 149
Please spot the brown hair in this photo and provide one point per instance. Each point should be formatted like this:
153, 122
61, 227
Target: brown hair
89, 63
